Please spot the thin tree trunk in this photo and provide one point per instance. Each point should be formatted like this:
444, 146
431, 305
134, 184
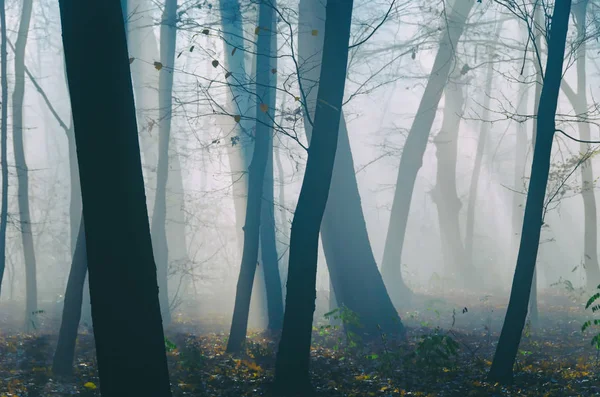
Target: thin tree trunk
62, 365
352, 267
122, 270
293, 357
21, 167
481, 141
264, 126
445, 194
510, 337
168, 37
268, 239
414, 149
3, 141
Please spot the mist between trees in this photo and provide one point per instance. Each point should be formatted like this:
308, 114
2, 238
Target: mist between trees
296, 198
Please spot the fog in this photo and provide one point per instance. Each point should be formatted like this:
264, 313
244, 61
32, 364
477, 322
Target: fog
212, 122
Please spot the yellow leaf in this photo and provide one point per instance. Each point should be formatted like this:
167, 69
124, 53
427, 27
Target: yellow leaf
264, 107
297, 98
237, 118
158, 65
90, 385
315, 32
257, 30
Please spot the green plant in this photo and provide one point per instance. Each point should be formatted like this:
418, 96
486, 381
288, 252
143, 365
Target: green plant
436, 349
591, 303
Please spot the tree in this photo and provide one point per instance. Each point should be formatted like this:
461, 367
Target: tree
21, 165
510, 337
64, 354
293, 356
265, 93
3, 142
168, 37
445, 195
122, 271
414, 149
580, 105
352, 267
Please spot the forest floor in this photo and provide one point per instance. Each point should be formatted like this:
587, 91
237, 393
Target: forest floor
447, 352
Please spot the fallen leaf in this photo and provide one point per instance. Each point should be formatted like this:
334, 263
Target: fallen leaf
158, 65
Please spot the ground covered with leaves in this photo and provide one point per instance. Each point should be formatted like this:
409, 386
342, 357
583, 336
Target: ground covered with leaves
447, 352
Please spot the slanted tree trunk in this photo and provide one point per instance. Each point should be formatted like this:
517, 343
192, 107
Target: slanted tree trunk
445, 194
168, 36
21, 167
414, 149
3, 141
268, 239
62, 365
580, 105
352, 267
510, 337
293, 357
264, 126
123, 284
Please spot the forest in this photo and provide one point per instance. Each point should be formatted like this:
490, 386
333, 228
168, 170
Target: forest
299, 198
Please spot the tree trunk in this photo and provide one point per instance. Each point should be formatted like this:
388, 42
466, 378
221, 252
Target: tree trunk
238, 104
352, 267
62, 365
168, 36
414, 149
580, 105
293, 356
445, 194
510, 337
21, 167
264, 126
123, 284
481, 141
3, 141
268, 239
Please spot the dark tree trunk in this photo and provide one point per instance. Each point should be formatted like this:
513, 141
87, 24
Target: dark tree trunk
414, 149
352, 267
293, 357
268, 239
3, 141
168, 36
21, 167
510, 337
123, 285
265, 111
62, 365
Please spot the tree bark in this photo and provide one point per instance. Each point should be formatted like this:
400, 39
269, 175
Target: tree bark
510, 337
265, 111
62, 365
268, 239
293, 356
168, 37
352, 267
21, 167
123, 284
414, 149
3, 141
